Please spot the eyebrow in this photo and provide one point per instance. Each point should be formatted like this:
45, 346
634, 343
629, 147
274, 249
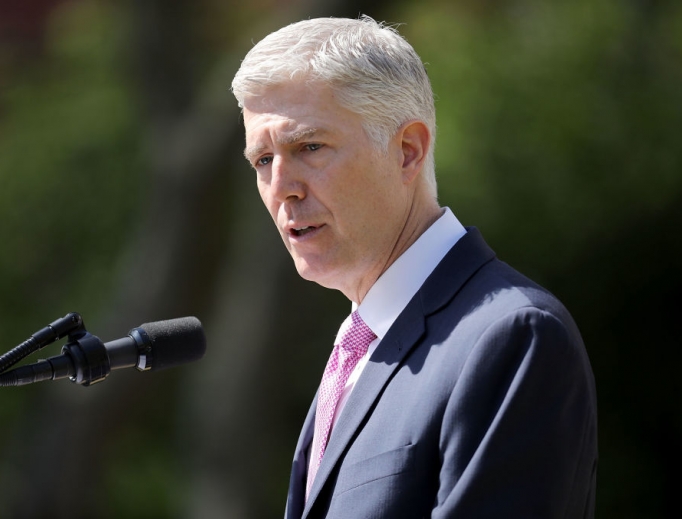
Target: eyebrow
292, 138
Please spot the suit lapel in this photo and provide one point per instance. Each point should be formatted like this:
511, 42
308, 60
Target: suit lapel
468, 255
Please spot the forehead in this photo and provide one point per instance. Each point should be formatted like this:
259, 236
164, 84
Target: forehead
297, 110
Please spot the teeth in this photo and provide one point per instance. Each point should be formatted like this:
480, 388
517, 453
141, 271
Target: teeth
299, 231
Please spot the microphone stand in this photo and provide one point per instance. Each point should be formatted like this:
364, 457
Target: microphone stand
70, 323
84, 358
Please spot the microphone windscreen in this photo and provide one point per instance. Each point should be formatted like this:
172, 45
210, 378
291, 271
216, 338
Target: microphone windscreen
175, 341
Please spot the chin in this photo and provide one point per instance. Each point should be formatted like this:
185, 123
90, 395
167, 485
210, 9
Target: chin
317, 275
306, 272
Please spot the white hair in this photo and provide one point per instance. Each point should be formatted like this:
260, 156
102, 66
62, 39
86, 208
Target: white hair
372, 69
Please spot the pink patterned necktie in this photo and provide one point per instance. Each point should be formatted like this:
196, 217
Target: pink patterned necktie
347, 352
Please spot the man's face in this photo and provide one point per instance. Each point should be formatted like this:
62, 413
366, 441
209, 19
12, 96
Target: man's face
339, 205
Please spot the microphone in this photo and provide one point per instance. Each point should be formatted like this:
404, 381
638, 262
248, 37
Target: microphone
86, 360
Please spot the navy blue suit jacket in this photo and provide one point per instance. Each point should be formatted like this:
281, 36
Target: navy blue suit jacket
478, 403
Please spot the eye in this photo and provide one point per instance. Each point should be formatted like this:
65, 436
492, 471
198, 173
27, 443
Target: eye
264, 161
313, 146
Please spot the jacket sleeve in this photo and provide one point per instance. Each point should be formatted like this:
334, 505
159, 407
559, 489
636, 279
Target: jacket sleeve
518, 437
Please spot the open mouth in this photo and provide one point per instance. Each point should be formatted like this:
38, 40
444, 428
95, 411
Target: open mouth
302, 231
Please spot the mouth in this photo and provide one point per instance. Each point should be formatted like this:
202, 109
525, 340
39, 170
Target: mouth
302, 231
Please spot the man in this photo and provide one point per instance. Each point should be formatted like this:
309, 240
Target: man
457, 388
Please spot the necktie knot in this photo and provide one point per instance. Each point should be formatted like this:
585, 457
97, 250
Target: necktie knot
357, 337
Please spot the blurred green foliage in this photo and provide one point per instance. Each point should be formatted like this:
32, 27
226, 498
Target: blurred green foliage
70, 170
562, 117
559, 131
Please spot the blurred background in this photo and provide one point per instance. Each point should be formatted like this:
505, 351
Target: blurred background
124, 196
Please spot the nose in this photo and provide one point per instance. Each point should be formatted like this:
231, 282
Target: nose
286, 181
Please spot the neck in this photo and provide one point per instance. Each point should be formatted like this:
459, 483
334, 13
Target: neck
419, 218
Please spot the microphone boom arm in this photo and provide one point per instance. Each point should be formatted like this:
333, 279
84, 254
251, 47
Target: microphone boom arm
67, 325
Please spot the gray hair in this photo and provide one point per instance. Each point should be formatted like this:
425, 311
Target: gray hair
373, 70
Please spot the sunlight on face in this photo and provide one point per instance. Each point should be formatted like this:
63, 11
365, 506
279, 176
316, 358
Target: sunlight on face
339, 205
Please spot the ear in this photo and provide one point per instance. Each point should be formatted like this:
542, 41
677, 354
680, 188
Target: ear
415, 139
